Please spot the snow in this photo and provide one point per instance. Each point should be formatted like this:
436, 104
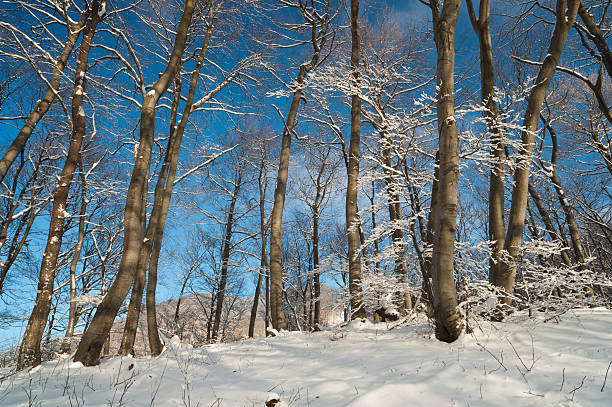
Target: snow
86, 299
63, 213
81, 111
151, 92
524, 363
102, 9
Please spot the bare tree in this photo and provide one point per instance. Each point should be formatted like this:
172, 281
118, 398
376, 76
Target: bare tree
93, 339
317, 18
352, 214
74, 27
497, 227
448, 320
29, 352
566, 11
262, 185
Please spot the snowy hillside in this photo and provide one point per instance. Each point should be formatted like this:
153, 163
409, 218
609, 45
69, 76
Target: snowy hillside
530, 363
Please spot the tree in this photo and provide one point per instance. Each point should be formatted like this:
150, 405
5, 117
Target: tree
352, 215
29, 352
73, 27
227, 243
93, 339
315, 192
262, 186
448, 320
566, 11
318, 17
497, 227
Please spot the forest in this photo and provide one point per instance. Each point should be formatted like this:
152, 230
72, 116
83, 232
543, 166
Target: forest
294, 165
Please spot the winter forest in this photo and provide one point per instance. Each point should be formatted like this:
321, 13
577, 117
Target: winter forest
196, 190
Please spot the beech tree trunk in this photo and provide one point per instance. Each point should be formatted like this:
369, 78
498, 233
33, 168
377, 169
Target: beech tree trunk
317, 275
497, 227
395, 216
165, 191
572, 225
276, 223
448, 321
91, 344
29, 352
565, 16
264, 256
597, 37
225, 255
550, 228
352, 216
427, 292
73, 312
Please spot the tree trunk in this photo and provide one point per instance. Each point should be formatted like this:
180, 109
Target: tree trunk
395, 216
597, 37
29, 352
507, 272
427, 292
448, 321
352, 216
165, 192
140, 279
72, 312
578, 248
376, 241
177, 310
227, 247
131, 321
264, 256
497, 227
315, 260
276, 270
550, 228
91, 344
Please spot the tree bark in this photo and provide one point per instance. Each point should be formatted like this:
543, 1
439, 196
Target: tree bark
165, 192
550, 228
91, 344
29, 352
73, 313
352, 216
427, 291
264, 256
497, 227
227, 247
597, 37
131, 321
276, 223
395, 216
577, 246
448, 321
565, 16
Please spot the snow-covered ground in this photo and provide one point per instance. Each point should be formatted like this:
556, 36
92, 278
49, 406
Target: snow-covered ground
529, 363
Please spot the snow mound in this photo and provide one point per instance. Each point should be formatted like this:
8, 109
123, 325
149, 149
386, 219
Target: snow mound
527, 363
